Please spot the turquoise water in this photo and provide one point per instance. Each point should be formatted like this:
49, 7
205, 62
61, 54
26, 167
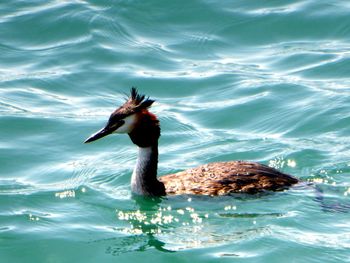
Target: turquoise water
266, 81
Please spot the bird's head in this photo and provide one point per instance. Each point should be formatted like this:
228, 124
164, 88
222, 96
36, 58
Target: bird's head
134, 119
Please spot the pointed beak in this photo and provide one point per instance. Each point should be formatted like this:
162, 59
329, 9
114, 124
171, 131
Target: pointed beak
101, 133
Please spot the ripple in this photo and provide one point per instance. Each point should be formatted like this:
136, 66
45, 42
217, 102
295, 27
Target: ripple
15, 187
334, 240
262, 81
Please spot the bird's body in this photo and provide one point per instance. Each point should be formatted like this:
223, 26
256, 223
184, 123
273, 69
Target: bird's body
220, 178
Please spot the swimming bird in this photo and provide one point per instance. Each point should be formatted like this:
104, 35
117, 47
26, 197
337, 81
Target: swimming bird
218, 178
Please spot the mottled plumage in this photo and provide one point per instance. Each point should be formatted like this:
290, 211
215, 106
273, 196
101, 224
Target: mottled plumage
222, 178
219, 178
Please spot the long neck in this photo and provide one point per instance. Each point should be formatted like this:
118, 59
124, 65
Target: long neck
144, 178
145, 135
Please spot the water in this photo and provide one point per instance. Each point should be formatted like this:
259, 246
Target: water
266, 81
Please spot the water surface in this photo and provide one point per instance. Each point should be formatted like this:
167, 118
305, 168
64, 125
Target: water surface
266, 81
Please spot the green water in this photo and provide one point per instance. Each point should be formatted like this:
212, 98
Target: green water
266, 81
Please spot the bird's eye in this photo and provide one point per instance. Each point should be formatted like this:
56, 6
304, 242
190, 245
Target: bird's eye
117, 124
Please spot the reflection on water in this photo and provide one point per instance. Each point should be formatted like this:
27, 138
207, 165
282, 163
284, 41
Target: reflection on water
143, 226
327, 197
158, 225
155, 223
117, 246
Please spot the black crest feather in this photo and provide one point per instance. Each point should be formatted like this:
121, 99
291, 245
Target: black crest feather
135, 103
139, 101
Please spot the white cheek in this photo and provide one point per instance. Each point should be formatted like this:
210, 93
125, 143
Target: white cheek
129, 123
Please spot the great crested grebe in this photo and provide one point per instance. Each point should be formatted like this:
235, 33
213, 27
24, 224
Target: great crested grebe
219, 178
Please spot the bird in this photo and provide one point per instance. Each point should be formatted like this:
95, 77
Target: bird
212, 179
